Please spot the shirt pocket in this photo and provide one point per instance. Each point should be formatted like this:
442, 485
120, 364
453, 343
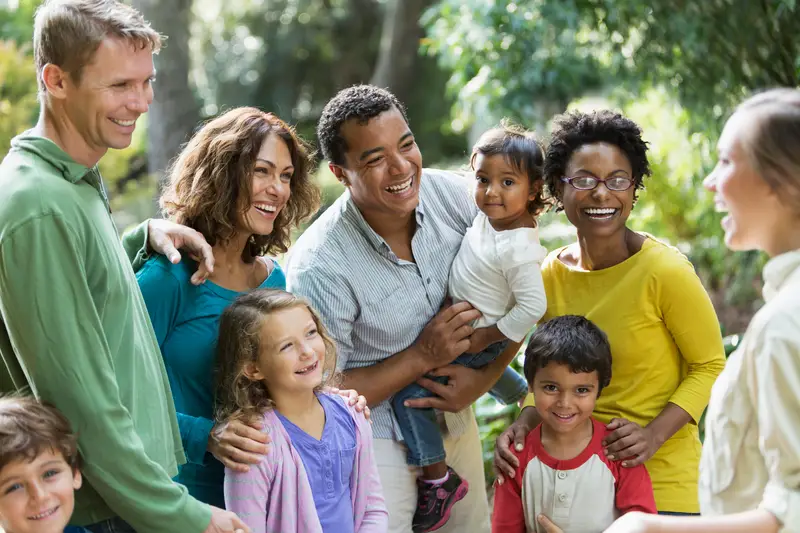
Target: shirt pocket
347, 459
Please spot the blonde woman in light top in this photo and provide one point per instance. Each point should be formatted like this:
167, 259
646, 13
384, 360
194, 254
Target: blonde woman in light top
750, 471
644, 294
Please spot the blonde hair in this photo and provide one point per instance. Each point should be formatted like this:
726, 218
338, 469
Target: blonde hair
239, 397
67, 33
772, 142
211, 181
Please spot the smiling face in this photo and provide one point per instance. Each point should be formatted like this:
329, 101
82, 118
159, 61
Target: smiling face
383, 166
271, 187
115, 89
598, 212
37, 496
754, 211
292, 355
502, 192
564, 399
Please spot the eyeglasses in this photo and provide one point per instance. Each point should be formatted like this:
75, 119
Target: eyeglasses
587, 183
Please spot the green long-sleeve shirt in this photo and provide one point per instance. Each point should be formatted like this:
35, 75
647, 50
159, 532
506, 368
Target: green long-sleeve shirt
74, 329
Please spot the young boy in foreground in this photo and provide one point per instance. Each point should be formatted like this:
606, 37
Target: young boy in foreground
39, 467
564, 474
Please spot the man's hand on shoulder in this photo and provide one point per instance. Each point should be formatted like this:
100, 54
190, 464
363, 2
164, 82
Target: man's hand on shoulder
166, 238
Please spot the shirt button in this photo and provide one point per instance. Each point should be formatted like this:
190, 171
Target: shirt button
562, 497
428, 281
562, 475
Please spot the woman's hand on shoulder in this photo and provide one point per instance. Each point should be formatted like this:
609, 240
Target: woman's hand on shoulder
353, 398
238, 445
629, 442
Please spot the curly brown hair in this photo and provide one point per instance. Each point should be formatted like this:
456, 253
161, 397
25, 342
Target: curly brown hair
522, 150
211, 185
29, 427
238, 397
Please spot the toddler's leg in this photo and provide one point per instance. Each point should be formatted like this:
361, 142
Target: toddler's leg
419, 428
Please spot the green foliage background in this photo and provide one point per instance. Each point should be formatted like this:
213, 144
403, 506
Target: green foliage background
678, 68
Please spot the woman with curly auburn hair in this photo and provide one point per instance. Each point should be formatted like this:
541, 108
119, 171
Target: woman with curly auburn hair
645, 295
243, 182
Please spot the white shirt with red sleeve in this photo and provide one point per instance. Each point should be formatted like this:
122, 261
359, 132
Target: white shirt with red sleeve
581, 495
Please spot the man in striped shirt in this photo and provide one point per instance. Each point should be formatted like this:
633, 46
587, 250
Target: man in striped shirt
375, 265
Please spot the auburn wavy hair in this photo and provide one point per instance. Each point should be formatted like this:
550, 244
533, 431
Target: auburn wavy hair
238, 397
211, 182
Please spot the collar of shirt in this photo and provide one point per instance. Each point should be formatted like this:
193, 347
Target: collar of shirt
353, 213
70, 170
779, 270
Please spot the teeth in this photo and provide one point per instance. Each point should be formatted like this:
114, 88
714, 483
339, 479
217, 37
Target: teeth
307, 369
124, 122
600, 211
266, 207
400, 188
44, 514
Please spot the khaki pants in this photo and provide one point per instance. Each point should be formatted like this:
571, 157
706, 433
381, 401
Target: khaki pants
470, 515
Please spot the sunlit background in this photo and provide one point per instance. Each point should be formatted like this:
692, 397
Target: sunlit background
677, 68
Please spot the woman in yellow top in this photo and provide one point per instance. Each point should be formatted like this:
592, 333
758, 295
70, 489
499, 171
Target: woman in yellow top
750, 472
665, 338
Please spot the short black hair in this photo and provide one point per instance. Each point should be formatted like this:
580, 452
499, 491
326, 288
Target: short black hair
521, 149
359, 102
573, 130
569, 340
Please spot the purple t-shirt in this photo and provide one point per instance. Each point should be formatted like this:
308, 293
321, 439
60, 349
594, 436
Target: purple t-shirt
329, 463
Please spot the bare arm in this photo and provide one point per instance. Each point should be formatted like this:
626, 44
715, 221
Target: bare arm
757, 521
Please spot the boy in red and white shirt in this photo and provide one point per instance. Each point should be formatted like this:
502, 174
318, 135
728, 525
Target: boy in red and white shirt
563, 471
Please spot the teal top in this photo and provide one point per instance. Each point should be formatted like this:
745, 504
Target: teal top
185, 318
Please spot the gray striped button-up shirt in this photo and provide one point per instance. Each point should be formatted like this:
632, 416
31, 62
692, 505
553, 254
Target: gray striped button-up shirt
373, 303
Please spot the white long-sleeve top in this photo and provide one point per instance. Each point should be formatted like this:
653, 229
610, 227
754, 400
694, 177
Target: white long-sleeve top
499, 273
751, 453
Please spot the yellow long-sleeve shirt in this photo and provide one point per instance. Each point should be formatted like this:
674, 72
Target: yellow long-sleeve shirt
666, 346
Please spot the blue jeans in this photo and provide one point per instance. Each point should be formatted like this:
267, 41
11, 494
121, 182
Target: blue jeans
112, 525
419, 427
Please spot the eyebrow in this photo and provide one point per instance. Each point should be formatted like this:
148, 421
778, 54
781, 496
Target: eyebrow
271, 164
592, 173
366, 153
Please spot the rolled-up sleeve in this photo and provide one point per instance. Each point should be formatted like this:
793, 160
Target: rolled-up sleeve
778, 383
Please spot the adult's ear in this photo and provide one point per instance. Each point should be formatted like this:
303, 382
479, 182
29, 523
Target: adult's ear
55, 80
338, 171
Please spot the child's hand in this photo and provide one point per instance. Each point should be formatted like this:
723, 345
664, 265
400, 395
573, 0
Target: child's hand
238, 445
483, 337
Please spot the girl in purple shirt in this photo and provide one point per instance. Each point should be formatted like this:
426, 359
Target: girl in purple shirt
274, 357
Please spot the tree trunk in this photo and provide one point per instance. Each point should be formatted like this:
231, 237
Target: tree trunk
399, 46
175, 111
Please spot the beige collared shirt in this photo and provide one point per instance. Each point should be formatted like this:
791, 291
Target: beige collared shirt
751, 455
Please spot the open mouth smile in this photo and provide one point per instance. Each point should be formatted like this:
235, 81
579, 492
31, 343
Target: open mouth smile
266, 209
307, 370
600, 213
123, 123
400, 187
44, 514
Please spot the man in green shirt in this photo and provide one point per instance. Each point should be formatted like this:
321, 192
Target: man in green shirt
74, 329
